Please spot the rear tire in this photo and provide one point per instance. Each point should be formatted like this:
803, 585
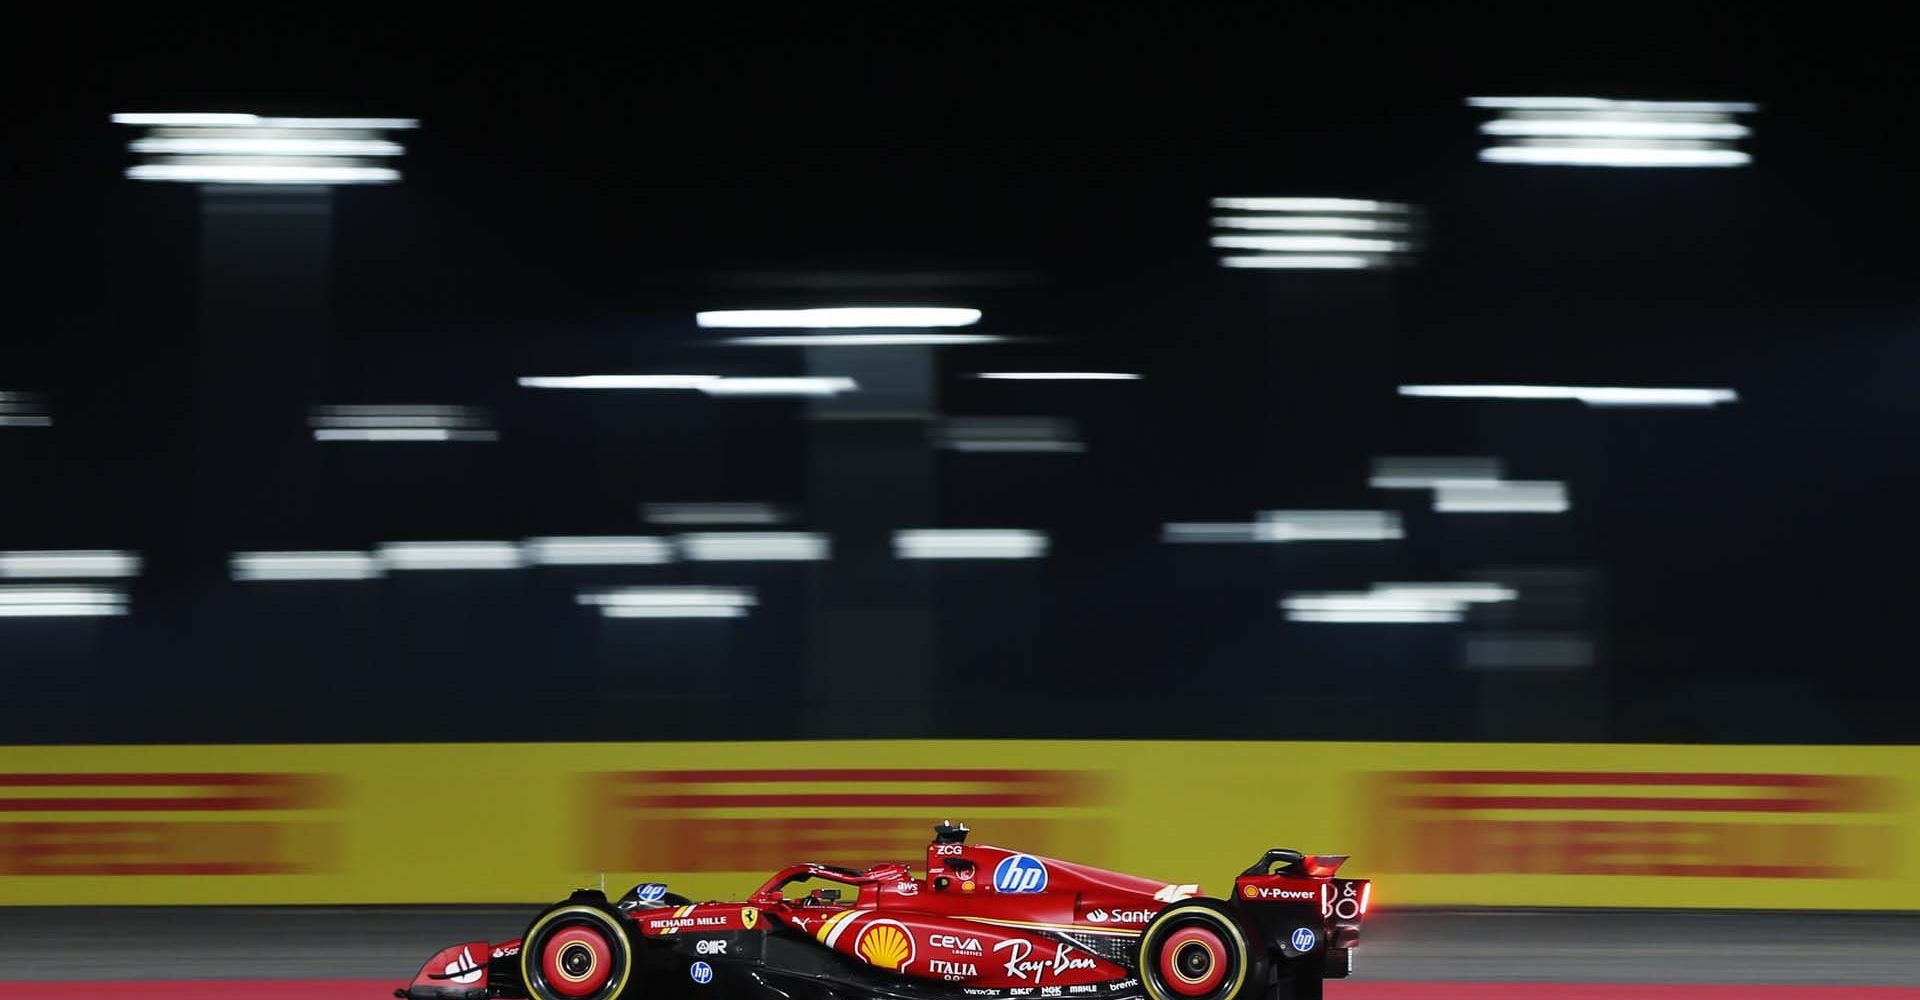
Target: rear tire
1196, 950
581, 949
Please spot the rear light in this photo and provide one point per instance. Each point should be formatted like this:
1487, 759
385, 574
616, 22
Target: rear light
1366, 896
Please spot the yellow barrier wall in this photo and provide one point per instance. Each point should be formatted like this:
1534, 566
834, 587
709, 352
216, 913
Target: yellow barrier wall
1436, 824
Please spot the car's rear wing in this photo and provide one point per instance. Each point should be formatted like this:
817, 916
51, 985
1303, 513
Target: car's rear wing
1296, 864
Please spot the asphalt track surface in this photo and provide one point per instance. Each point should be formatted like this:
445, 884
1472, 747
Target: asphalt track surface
147, 950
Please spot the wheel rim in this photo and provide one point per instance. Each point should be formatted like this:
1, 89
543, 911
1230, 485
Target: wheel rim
1193, 961
576, 961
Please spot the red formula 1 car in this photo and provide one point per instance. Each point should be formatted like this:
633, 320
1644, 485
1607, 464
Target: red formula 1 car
985, 922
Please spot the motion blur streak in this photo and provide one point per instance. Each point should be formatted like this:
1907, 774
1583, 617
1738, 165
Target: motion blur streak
1010, 434
865, 340
1293, 526
670, 602
270, 566
407, 422
451, 555
1512, 497
1395, 603
1393, 473
827, 385
1590, 395
1303, 205
969, 543
61, 602
616, 381
1302, 262
711, 513
754, 546
598, 551
1060, 376
22, 409
69, 565
1596, 132
217, 148
840, 317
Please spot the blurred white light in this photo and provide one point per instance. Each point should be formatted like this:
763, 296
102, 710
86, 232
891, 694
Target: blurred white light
253, 146
1312, 244
451, 555
1610, 104
617, 381
670, 602
1009, 434
1327, 526
1195, 531
1597, 132
712, 513
1311, 223
201, 119
1313, 262
1395, 603
851, 317
402, 434
1060, 376
261, 173
1616, 128
400, 422
23, 409
1614, 156
1377, 616
646, 611
1590, 395
1507, 497
1426, 473
274, 566
61, 602
599, 551
754, 546
1293, 526
76, 564
865, 340
1306, 205
969, 543
1457, 593
818, 385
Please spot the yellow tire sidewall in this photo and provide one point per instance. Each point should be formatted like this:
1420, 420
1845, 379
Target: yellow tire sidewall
615, 939
1236, 938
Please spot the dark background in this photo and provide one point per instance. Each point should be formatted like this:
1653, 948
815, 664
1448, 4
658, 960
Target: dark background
580, 186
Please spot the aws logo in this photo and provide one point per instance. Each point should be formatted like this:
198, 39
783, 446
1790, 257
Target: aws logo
886, 944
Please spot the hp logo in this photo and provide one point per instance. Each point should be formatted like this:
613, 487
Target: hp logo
701, 972
1019, 873
1303, 939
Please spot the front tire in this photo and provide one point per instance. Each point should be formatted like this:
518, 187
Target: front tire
1196, 950
581, 949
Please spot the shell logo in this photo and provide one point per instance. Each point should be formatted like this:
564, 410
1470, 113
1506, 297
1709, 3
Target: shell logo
1252, 892
886, 944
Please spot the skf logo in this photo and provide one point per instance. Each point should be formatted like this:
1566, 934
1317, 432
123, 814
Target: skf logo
230, 824
1816, 826
666, 820
886, 944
